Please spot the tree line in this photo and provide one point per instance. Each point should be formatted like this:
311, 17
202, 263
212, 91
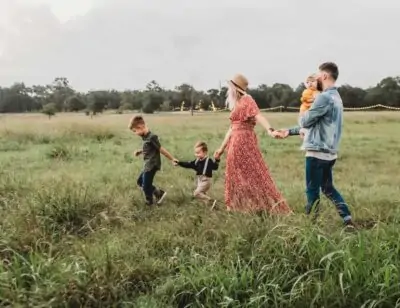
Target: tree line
60, 96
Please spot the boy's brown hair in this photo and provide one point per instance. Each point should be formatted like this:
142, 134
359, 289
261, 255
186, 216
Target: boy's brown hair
202, 145
136, 121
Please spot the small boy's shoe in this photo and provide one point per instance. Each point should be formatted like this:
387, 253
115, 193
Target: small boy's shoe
350, 226
149, 203
160, 196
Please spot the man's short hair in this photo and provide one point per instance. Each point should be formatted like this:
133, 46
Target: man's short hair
136, 121
330, 68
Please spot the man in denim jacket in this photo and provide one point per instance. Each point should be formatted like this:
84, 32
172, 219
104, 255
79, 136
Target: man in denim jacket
321, 143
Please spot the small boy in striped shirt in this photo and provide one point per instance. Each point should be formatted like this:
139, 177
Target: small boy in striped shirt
204, 167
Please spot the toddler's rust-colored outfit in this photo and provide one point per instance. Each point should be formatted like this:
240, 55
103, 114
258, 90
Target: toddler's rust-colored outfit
307, 98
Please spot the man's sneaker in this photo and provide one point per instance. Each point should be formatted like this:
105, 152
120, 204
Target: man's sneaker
160, 196
214, 203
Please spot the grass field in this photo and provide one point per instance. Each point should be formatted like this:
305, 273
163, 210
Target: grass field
75, 232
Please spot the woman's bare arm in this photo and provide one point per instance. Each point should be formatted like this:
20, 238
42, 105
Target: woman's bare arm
224, 143
264, 123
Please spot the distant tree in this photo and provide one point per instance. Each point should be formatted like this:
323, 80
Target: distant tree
185, 94
152, 102
166, 105
153, 86
127, 100
49, 110
352, 96
41, 95
60, 91
97, 101
17, 98
222, 97
390, 90
21, 98
75, 103
114, 99
295, 101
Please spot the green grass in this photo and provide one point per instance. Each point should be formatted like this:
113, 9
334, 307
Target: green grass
75, 232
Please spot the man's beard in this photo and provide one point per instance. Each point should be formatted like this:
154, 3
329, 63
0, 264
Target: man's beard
319, 86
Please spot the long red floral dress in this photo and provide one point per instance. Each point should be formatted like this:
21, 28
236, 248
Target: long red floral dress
249, 186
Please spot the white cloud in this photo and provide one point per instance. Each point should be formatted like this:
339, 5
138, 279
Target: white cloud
124, 44
63, 9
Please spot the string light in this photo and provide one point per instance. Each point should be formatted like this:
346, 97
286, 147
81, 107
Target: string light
345, 108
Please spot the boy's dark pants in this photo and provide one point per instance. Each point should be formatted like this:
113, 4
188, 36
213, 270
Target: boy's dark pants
145, 181
319, 177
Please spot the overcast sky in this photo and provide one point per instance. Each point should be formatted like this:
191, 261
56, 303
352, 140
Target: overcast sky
104, 44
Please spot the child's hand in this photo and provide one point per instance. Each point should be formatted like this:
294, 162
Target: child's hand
175, 162
218, 153
137, 153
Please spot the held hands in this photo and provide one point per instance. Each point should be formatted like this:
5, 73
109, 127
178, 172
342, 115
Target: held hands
175, 162
218, 153
280, 134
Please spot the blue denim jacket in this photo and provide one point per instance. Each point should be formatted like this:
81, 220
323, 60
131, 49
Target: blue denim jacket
324, 123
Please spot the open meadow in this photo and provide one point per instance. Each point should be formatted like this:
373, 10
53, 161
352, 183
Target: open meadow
75, 231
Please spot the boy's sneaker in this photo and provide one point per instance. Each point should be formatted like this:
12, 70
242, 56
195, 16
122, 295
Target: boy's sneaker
350, 226
149, 203
160, 196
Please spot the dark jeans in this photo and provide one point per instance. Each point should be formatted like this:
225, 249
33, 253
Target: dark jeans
319, 177
145, 181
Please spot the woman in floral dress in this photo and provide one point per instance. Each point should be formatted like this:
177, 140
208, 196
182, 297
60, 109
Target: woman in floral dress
249, 186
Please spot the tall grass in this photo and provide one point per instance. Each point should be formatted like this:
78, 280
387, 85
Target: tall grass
75, 231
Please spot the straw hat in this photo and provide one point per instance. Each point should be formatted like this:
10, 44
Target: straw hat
240, 83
